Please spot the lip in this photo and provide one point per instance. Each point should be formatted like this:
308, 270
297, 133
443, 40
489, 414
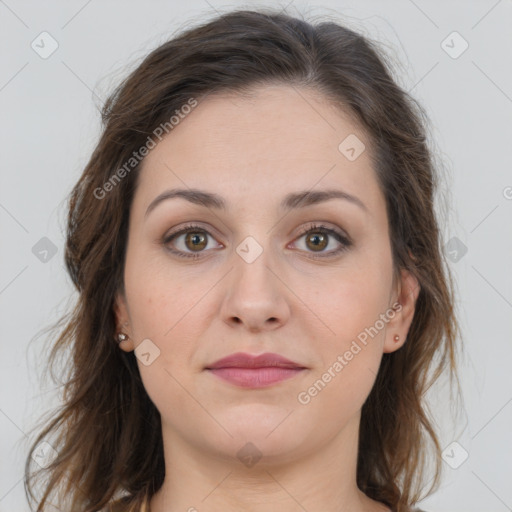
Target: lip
244, 360
248, 371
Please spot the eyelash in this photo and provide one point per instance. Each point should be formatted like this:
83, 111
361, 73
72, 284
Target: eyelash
319, 228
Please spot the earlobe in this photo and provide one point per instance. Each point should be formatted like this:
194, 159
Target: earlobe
124, 342
122, 335
398, 326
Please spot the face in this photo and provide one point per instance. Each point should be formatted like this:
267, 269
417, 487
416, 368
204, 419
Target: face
311, 281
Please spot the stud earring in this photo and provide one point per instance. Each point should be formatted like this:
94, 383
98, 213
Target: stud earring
121, 337
396, 338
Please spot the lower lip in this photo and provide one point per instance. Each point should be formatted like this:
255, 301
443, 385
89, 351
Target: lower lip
255, 377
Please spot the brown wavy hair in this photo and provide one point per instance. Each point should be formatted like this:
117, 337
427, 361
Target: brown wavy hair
107, 432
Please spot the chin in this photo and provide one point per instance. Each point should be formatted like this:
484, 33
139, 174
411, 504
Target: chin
270, 440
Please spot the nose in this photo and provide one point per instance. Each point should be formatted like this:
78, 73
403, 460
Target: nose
256, 296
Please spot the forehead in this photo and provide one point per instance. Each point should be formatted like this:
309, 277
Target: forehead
263, 144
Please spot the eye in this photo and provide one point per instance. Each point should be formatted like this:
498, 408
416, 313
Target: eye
195, 239
318, 237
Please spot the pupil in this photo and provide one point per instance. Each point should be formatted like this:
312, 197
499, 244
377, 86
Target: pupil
197, 240
318, 239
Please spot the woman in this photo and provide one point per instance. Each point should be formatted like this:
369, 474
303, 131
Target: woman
263, 300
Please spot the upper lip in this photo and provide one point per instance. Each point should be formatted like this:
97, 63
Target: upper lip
243, 360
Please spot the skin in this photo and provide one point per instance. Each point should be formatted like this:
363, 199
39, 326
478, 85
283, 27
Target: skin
253, 150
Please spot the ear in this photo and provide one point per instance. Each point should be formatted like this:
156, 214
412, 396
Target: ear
123, 323
405, 302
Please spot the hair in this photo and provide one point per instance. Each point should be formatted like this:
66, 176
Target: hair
107, 431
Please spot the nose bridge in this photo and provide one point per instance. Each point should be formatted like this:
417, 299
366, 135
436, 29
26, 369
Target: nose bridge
252, 262
256, 296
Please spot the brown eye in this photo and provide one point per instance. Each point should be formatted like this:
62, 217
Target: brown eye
195, 240
318, 237
318, 240
189, 242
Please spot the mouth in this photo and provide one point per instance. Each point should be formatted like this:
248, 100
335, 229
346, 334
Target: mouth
255, 377
249, 371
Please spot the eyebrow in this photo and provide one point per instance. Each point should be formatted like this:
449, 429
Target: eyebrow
290, 202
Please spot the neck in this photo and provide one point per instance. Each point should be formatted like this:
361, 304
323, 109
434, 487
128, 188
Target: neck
198, 480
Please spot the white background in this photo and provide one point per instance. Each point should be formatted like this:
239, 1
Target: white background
50, 122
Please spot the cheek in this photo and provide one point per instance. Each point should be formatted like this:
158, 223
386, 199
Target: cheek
349, 356
352, 300
168, 307
165, 315
334, 396
158, 296
350, 349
